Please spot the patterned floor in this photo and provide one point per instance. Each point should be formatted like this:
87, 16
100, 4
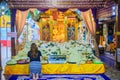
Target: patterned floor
64, 77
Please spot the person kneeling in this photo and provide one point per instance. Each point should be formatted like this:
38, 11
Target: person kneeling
35, 58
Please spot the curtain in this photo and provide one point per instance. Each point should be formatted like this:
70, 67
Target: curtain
91, 26
20, 21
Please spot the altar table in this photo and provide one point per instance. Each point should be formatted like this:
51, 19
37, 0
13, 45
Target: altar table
21, 69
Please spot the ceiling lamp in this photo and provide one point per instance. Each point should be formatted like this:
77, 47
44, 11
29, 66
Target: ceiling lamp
3, 7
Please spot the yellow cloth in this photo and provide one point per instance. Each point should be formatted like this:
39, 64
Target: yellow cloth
57, 69
101, 40
112, 46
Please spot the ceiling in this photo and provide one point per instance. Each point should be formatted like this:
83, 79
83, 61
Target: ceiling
58, 3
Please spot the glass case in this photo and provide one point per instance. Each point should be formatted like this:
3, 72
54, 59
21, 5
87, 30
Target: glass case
57, 59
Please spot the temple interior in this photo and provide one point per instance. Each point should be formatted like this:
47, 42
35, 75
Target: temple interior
78, 39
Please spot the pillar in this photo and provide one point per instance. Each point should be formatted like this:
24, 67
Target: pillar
118, 35
13, 15
0, 46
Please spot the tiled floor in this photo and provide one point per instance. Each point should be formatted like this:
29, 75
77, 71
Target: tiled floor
111, 71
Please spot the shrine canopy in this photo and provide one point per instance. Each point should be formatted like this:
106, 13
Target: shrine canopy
58, 4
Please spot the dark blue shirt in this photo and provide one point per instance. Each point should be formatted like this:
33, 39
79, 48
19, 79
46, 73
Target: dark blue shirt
34, 59
110, 38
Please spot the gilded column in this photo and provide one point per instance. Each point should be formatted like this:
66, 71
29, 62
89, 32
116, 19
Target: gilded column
40, 26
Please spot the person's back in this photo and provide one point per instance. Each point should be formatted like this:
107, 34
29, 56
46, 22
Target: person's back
34, 57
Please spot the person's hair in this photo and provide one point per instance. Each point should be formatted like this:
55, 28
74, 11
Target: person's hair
34, 53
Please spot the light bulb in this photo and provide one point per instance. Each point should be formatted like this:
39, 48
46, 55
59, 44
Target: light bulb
113, 8
3, 7
113, 13
3, 13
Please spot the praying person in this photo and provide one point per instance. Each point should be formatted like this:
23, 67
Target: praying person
35, 58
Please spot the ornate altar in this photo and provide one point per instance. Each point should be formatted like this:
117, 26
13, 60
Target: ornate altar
58, 26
